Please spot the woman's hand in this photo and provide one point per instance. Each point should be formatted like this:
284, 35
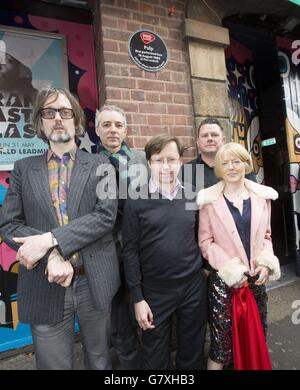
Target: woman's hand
263, 273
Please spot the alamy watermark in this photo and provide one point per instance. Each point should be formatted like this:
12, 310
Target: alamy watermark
296, 314
133, 183
2, 53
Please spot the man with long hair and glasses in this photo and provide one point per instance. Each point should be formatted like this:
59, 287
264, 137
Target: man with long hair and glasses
61, 228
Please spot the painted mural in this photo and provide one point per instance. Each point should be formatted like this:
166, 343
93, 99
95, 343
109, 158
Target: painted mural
243, 103
289, 67
82, 82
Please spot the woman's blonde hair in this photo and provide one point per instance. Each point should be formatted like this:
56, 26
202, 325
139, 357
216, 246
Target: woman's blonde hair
239, 151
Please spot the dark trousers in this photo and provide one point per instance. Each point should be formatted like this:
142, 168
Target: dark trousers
124, 331
187, 300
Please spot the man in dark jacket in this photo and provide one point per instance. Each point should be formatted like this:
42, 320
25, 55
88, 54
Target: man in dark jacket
111, 127
59, 217
210, 138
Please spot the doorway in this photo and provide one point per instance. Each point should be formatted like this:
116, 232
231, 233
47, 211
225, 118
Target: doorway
271, 114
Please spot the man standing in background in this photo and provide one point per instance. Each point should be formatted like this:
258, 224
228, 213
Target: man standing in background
111, 127
210, 138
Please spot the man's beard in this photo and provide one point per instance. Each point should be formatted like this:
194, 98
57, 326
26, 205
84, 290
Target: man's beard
59, 138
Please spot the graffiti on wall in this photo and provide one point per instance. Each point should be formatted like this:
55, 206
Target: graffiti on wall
82, 82
289, 68
243, 103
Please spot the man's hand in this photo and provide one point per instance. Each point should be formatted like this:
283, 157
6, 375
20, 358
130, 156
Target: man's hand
143, 315
59, 271
33, 248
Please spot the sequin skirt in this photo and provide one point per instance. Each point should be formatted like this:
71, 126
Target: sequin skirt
220, 313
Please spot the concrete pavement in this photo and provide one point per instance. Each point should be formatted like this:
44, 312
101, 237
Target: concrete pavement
283, 334
284, 323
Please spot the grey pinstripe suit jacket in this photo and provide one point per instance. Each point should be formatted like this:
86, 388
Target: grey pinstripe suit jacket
28, 210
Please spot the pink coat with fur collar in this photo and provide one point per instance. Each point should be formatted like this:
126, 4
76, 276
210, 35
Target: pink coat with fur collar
219, 239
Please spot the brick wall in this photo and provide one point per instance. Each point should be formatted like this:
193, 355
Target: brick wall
155, 103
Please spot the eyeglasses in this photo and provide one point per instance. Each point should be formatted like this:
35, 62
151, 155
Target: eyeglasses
50, 113
169, 161
234, 163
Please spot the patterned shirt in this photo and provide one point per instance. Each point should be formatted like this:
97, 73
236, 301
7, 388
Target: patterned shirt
59, 174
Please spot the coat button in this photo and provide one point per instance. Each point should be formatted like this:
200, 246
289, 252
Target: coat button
91, 255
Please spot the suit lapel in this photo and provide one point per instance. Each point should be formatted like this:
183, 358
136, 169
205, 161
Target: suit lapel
78, 181
38, 178
227, 220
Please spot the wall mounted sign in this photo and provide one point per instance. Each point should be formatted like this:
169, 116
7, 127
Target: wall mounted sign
295, 1
268, 142
148, 51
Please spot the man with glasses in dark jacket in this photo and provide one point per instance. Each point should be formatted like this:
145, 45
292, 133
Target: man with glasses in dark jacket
60, 223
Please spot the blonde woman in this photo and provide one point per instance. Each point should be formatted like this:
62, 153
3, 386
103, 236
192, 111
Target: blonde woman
235, 238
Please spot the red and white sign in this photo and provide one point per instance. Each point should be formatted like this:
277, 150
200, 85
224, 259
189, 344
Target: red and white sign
147, 38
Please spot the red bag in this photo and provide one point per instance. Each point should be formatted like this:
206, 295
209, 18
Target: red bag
250, 351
